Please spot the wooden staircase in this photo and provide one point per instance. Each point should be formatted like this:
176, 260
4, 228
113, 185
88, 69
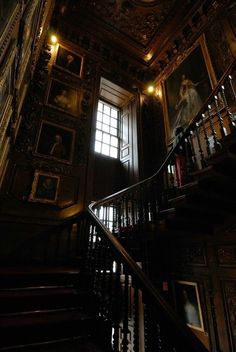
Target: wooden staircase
48, 309
207, 204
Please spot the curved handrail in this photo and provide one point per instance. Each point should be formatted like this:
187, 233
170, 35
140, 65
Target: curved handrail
138, 274
174, 147
148, 288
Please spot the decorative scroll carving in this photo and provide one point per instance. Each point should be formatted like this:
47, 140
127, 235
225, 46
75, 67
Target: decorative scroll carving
226, 255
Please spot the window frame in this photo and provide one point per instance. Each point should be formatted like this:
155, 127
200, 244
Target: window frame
105, 133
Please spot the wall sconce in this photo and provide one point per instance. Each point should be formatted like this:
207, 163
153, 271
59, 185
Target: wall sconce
153, 90
53, 39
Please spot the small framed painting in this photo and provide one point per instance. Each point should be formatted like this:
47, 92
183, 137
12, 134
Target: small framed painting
187, 303
44, 188
69, 61
63, 97
55, 142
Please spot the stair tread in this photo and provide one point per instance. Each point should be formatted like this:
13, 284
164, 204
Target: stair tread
28, 270
70, 344
37, 291
44, 317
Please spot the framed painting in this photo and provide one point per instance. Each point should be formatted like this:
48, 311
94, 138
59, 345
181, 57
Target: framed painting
69, 61
63, 97
187, 303
55, 142
44, 188
187, 88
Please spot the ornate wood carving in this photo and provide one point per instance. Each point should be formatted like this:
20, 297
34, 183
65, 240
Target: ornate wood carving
192, 256
226, 255
139, 67
6, 38
229, 288
218, 45
33, 105
131, 18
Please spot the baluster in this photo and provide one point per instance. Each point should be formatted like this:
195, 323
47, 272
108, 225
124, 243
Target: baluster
194, 158
125, 329
150, 335
220, 120
140, 209
189, 161
132, 200
119, 209
117, 307
171, 181
123, 212
90, 257
202, 160
68, 242
126, 211
97, 263
232, 87
146, 209
114, 218
136, 320
229, 114
208, 150
104, 263
153, 202
217, 145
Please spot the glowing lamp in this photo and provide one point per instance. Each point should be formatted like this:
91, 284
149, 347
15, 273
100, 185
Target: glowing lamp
53, 39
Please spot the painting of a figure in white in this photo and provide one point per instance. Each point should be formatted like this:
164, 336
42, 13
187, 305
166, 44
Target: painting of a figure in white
186, 89
189, 102
188, 304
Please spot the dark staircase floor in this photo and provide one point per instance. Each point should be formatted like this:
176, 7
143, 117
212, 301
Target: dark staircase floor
48, 309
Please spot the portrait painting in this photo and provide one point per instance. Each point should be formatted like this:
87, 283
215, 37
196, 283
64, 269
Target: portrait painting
55, 142
63, 97
69, 61
187, 88
44, 188
187, 303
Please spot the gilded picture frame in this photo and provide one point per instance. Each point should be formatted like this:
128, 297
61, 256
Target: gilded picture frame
55, 142
45, 188
188, 304
63, 97
69, 61
187, 87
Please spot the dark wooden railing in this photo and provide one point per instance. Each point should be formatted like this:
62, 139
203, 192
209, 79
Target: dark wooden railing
138, 208
141, 319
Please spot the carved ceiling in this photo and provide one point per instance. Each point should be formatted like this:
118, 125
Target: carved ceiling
140, 27
139, 21
142, 37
